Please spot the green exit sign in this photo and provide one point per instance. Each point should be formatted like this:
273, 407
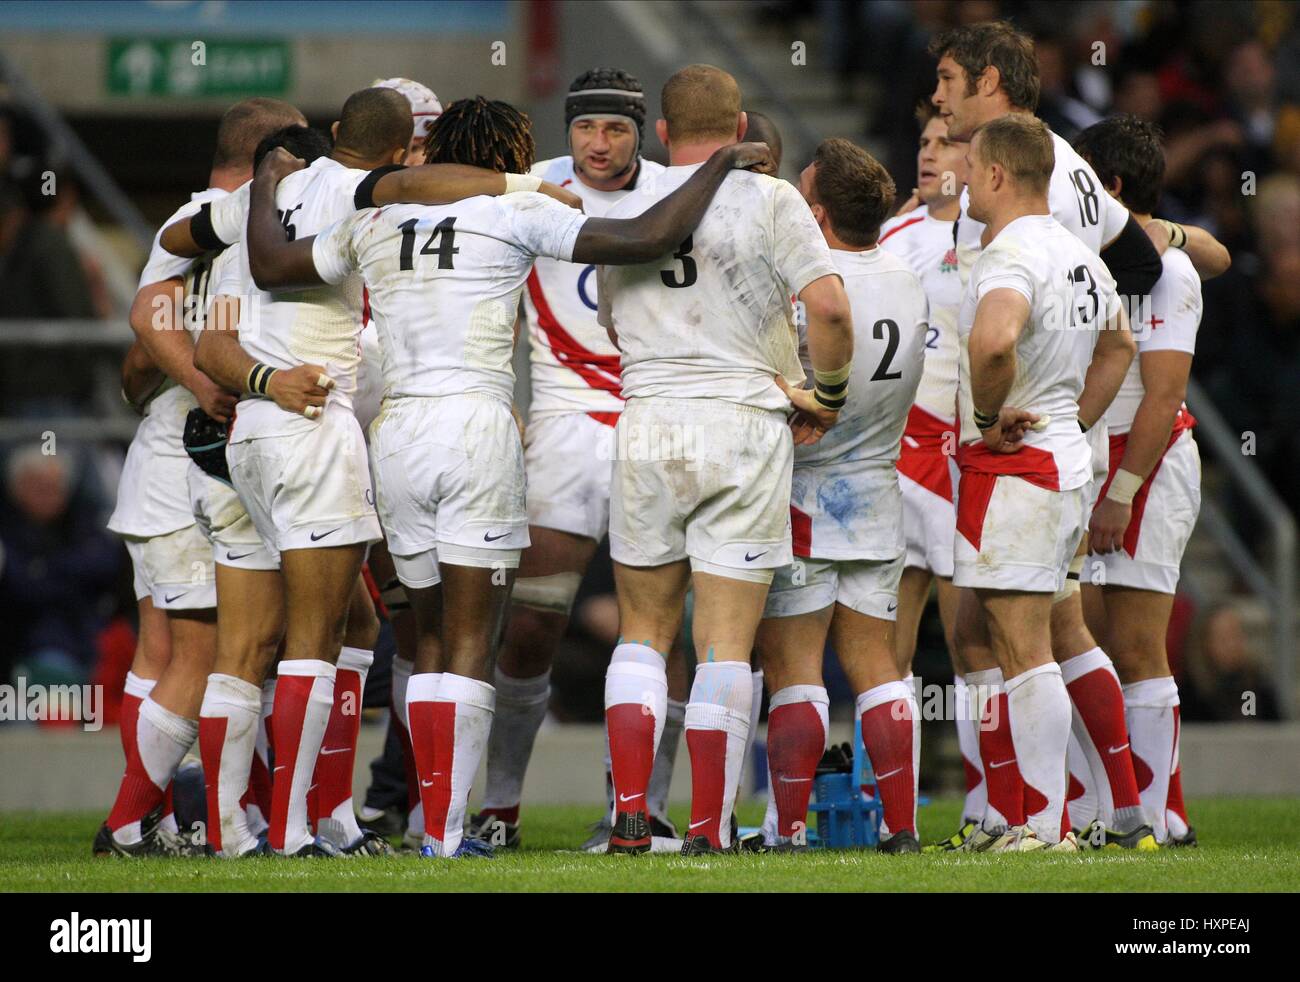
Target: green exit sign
189, 68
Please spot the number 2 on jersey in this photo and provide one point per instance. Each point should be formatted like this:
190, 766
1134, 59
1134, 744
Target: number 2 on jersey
444, 232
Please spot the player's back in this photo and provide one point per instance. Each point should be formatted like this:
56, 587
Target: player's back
318, 325
889, 331
712, 319
444, 284
1071, 297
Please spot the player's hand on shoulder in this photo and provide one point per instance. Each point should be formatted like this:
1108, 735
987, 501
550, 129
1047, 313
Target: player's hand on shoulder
279, 164
751, 156
811, 419
301, 389
213, 399
561, 195
1109, 522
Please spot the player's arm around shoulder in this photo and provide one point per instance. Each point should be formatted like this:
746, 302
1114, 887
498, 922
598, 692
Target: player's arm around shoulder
275, 262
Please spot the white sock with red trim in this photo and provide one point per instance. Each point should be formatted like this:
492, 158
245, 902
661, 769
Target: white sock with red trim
1149, 711
1039, 707
968, 741
304, 694
464, 708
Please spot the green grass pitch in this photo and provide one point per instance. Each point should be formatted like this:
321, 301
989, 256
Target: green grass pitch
1248, 844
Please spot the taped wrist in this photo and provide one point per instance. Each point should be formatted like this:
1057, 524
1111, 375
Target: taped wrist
1124, 486
522, 182
830, 389
984, 421
1177, 234
202, 232
259, 378
364, 196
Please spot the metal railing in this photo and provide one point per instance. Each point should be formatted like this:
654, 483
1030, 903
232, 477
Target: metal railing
1276, 586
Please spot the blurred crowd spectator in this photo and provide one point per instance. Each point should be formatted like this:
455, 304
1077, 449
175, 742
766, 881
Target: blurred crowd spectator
1223, 680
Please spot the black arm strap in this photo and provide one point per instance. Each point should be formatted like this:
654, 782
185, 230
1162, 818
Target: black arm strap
201, 230
365, 196
1133, 261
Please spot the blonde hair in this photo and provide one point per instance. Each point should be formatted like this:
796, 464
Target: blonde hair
701, 102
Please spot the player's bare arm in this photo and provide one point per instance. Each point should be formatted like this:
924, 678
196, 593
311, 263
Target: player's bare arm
830, 348
219, 356
1209, 256
140, 377
999, 320
657, 230
1164, 383
1110, 361
158, 320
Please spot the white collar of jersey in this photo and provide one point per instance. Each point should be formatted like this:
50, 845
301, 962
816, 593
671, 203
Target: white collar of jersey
869, 255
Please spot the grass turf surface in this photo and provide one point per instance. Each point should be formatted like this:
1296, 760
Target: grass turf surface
1247, 844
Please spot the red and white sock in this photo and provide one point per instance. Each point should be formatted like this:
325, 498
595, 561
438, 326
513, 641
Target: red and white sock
423, 721
661, 775
1005, 791
162, 739
636, 708
402, 670
968, 741
227, 744
462, 720
304, 694
1176, 811
798, 726
1039, 708
1101, 731
1151, 708
521, 707
717, 727
914, 686
134, 692
755, 711
887, 712
335, 817
257, 803
1082, 792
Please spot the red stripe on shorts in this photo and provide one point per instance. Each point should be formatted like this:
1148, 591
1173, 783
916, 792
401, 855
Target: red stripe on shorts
980, 470
920, 455
1118, 443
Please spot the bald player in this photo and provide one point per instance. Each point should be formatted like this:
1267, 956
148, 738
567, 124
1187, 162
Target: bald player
701, 485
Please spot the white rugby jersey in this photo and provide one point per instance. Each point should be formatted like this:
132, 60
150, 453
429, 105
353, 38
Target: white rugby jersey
1075, 195
444, 283
1071, 298
320, 325
845, 501
929, 247
711, 320
149, 501
574, 366
1173, 316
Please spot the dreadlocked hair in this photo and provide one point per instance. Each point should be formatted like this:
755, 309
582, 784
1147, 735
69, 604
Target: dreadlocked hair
482, 133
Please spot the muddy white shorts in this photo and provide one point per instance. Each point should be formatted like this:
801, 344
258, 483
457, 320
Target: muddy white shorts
868, 586
568, 460
175, 569
224, 521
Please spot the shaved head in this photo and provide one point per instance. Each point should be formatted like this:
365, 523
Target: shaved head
761, 129
245, 124
701, 103
374, 123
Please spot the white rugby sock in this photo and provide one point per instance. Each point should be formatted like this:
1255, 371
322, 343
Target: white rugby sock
521, 707
228, 725
337, 818
473, 703
421, 692
304, 695
1149, 712
1040, 730
661, 776
717, 726
755, 710
636, 709
968, 741
162, 740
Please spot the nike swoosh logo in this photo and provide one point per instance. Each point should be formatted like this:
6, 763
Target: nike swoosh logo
891, 608
317, 538
750, 559
629, 797
1002, 763
1115, 750
794, 780
425, 784
177, 597
896, 770
696, 825
231, 555
488, 537
279, 767
333, 750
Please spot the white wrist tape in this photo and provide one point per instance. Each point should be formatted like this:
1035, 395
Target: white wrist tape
1124, 486
522, 182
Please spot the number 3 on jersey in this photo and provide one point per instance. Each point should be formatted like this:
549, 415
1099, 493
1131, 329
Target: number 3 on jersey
444, 232
689, 273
